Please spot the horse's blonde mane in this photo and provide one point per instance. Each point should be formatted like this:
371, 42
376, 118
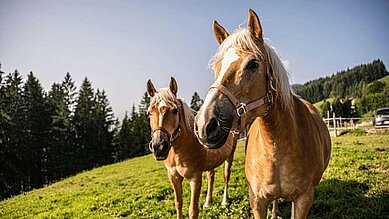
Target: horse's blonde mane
242, 41
280, 73
166, 97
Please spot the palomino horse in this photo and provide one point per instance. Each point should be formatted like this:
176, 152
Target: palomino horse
174, 141
288, 147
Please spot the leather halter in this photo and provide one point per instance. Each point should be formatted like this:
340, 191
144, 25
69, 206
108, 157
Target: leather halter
243, 108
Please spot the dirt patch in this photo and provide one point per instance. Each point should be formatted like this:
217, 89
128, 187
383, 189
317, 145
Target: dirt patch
384, 170
383, 130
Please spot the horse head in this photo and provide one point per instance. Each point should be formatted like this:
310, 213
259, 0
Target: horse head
164, 118
240, 67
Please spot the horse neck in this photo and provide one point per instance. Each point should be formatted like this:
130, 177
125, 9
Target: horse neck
277, 125
187, 140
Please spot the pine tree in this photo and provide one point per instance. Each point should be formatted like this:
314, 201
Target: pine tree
144, 124
7, 167
70, 95
325, 107
36, 131
84, 126
123, 140
144, 104
135, 125
70, 92
104, 120
12, 110
59, 150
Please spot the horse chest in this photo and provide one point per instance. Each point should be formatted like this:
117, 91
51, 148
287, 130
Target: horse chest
178, 166
274, 176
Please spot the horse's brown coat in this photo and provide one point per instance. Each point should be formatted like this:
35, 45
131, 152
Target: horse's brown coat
286, 156
288, 146
187, 158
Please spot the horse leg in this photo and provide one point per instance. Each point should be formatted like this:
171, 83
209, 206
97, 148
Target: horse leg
195, 187
210, 179
176, 181
227, 173
274, 211
258, 205
302, 204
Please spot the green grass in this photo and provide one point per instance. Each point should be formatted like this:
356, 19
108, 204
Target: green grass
320, 103
356, 185
385, 80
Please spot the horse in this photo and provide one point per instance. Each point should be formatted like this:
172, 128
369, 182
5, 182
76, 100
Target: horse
288, 147
174, 142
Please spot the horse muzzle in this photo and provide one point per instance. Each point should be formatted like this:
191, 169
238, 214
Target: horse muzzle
212, 129
160, 150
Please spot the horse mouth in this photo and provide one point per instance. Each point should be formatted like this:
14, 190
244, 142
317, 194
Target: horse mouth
160, 158
215, 143
161, 155
161, 152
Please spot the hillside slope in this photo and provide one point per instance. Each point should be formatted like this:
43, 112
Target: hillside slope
319, 104
385, 80
345, 83
356, 185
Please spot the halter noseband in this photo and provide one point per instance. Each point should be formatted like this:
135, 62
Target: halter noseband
172, 137
243, 108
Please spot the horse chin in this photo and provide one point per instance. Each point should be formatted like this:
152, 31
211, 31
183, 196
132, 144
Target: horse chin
160, 158
162, 154
216, 143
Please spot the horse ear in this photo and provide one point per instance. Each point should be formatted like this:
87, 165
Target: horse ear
173, 86
253, 25
150, 88
219, 31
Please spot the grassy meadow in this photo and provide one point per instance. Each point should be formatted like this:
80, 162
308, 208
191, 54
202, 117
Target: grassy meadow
356, 185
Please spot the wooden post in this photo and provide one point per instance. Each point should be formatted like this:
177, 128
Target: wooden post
334, 121
328, 118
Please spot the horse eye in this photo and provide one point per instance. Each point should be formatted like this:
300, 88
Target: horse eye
175, 111
148, 113
252, 65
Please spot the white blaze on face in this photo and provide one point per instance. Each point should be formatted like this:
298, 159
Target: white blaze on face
157, 134
208, 99
161, 105
229, 57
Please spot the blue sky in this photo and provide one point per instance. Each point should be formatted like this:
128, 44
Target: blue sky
118, 45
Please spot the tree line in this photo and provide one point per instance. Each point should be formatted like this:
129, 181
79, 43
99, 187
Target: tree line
358, 83
47, 136
350, 82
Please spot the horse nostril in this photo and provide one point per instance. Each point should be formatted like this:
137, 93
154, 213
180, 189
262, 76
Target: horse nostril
211, 126
165, 144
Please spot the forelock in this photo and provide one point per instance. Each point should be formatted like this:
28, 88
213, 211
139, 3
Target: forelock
241, 41
163, 97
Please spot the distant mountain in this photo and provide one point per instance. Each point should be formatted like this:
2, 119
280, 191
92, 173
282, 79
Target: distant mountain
347, 83
296, 86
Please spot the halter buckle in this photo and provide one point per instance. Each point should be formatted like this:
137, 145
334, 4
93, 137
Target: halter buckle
241, 110
269, 97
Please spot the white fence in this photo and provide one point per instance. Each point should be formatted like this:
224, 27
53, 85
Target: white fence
335, 125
